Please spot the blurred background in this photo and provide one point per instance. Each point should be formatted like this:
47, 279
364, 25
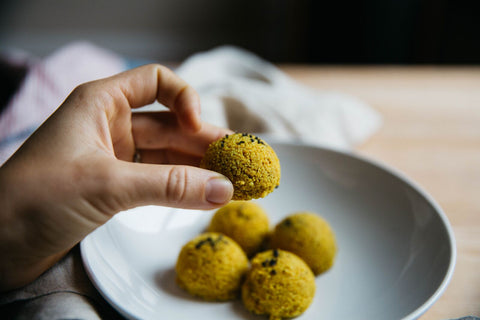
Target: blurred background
283, 31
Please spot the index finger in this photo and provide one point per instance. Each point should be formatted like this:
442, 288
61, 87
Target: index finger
144, 85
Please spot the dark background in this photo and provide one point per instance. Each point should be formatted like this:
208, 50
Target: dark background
292, 31
394, 32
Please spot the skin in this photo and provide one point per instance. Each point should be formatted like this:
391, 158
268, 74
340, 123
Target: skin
76, 171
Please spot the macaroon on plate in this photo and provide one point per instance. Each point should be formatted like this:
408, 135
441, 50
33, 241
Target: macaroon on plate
396, 249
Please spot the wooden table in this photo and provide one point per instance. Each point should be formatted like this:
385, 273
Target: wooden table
431, 132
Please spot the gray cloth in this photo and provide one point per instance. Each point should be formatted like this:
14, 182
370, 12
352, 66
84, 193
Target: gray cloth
62, 292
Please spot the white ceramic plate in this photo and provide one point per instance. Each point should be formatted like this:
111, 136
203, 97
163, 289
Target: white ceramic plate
396, 248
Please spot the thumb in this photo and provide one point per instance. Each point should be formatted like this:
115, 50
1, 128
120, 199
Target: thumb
169, 185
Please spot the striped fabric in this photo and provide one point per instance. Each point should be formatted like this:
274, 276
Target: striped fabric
47, 83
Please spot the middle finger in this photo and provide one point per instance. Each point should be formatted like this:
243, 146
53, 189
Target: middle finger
161, 130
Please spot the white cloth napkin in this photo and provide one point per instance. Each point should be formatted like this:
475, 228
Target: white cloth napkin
247, 94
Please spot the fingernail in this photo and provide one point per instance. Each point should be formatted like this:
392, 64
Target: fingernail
218, 190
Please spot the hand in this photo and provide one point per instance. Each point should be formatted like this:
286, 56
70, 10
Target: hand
76, 171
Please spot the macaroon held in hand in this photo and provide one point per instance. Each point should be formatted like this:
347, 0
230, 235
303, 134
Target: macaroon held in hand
77, 170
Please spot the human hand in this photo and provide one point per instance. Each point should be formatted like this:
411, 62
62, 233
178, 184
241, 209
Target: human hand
76, 171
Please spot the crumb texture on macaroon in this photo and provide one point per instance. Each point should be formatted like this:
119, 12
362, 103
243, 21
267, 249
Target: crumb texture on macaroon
249, 162
310, 237
245, 222
278, 284
211, 266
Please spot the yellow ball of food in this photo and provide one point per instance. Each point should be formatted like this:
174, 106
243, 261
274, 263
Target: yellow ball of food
249, 162
211, 266
245, 222
310, 237
279, 284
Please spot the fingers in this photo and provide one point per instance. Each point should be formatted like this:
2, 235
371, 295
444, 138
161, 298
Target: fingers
187, 187
167, 156
161, 130
144, 85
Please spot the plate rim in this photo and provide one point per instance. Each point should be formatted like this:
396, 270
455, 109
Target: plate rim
351, 154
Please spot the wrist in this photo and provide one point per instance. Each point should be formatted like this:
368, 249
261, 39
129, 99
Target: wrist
21, 262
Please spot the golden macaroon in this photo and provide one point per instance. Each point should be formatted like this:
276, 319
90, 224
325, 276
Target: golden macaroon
211, 266
278, 284
310, 237
249, 162
245, 222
